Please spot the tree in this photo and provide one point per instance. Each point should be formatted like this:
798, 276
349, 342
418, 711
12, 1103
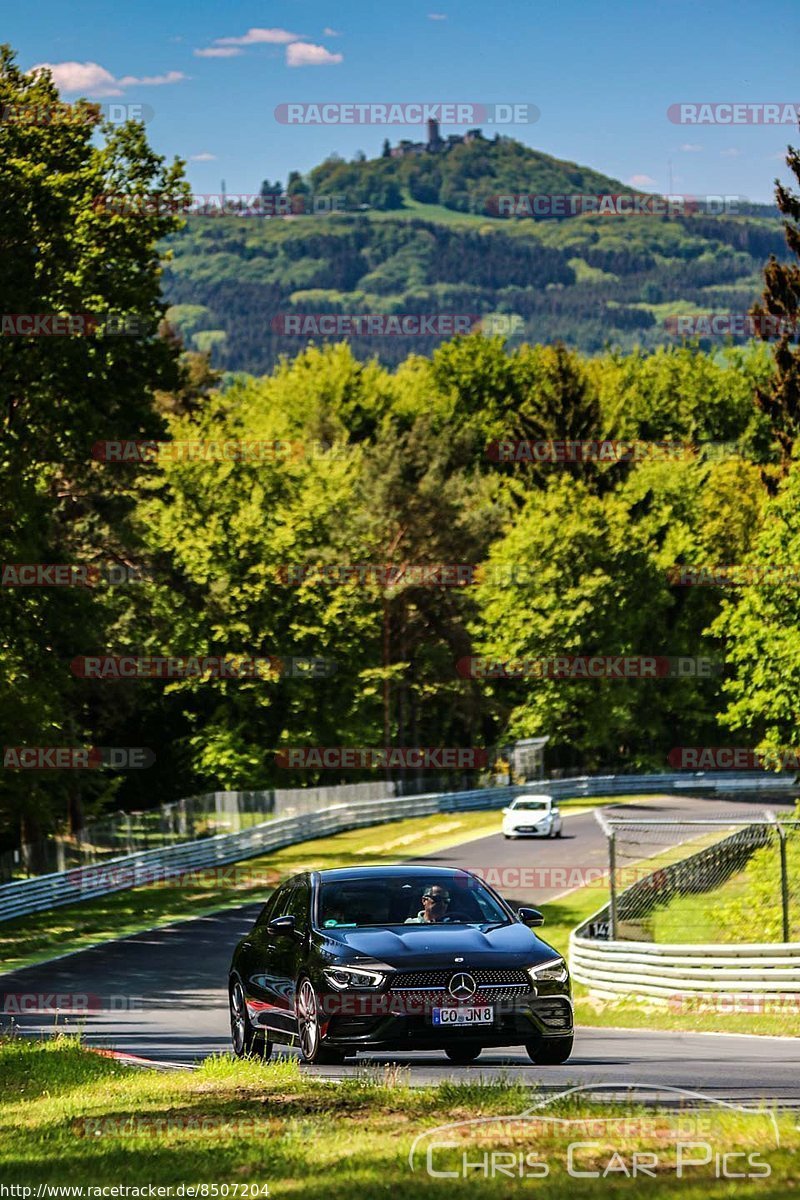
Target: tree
387, 149
79, 231
780, 309
761, 623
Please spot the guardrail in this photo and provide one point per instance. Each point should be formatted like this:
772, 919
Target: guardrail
44, 892
669, 971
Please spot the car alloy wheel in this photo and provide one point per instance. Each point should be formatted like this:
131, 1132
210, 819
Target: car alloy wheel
307, 1021
308, 1030
246, 1040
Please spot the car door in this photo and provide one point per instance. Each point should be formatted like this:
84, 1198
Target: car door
264, 984
290, 952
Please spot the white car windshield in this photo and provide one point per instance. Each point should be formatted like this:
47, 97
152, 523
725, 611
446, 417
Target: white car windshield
530, 805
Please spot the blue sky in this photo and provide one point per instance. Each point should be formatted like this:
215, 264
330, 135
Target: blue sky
602, 75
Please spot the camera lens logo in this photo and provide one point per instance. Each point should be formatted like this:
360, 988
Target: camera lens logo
462, 986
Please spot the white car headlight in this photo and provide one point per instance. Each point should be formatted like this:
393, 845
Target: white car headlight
554, 971
353, 977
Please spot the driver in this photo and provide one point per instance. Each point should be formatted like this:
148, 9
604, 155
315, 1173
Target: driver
435, 901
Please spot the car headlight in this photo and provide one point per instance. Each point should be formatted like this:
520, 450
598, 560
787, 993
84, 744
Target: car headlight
554, 971
353, 977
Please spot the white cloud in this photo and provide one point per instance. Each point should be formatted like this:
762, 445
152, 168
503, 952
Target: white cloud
731, 152
437, 16
218, 52
90, 79
256, 37
305, 54
151, 80
204, 157
331, 32
691, 148
641, 181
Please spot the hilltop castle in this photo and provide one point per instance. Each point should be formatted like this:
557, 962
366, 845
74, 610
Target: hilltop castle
435, 144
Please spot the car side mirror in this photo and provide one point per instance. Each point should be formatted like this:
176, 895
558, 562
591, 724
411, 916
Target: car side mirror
282, 927
506, 810
530, 916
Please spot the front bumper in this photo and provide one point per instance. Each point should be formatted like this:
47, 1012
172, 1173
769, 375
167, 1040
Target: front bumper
380, 1022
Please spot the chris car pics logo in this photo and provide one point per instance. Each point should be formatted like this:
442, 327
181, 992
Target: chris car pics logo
703, 1139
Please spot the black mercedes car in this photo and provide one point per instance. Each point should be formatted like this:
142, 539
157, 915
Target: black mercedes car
397, 958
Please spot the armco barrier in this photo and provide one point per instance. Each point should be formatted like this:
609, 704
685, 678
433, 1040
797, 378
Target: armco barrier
67, 887
632, 969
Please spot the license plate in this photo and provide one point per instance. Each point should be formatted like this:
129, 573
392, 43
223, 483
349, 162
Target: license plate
483, 1015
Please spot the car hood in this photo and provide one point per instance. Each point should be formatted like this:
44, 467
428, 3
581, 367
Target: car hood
439, 945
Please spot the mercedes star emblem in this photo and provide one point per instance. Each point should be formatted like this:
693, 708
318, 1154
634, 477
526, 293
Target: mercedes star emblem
462, 986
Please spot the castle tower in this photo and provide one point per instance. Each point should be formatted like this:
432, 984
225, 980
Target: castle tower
434, 141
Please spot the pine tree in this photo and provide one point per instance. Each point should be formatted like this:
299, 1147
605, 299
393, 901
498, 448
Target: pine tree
778, 313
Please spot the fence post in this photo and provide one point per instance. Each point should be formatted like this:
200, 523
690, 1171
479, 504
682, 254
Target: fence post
784, 881
610, 833
612, 883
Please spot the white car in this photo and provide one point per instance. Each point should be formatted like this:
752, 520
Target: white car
532, 816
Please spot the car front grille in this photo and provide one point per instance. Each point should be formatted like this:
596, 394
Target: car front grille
510, 981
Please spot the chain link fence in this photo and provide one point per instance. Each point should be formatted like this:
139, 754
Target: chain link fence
734, 878
192, 819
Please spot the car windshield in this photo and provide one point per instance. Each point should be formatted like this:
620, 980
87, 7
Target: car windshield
530, 805
399, 900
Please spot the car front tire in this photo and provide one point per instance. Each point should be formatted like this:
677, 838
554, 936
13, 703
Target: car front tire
463, 1055
247, 1041
550, 1052
309, 1035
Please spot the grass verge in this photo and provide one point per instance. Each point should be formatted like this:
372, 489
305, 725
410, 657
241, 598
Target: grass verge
68, 1117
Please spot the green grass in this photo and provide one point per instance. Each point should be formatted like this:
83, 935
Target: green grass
68, 1117
767, 1017
746, 907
